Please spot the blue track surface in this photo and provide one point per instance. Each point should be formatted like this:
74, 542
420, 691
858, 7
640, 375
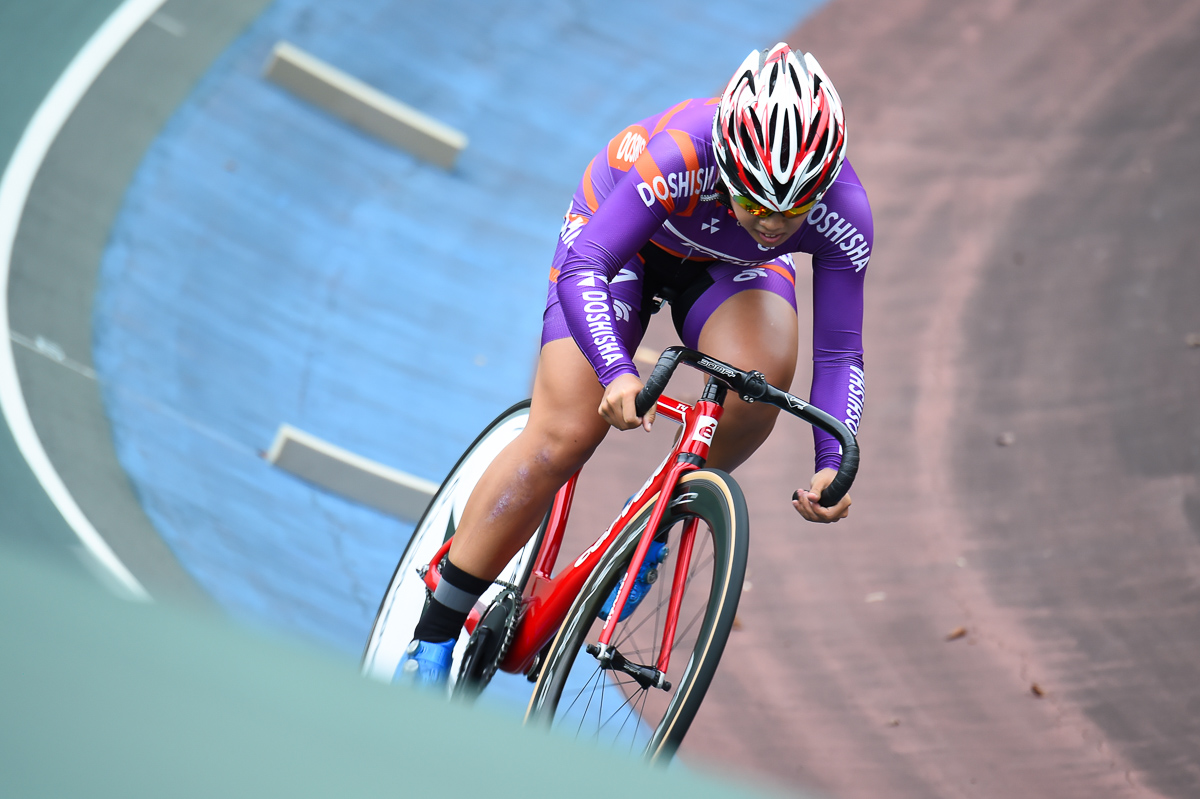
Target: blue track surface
272, 264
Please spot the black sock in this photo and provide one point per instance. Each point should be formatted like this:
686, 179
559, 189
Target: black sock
450, 605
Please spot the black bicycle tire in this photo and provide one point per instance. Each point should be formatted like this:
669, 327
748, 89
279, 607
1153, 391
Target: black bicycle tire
722, 507
416, 538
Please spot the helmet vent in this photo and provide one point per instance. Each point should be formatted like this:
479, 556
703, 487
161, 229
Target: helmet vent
785, 150
751, 152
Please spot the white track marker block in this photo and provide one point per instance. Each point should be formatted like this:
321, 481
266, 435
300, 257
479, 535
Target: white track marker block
353, 476
363, 106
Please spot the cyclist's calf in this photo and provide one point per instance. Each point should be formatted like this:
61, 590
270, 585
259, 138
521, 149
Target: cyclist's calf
513, 495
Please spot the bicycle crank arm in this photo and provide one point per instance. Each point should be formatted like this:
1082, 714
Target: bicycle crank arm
645, 676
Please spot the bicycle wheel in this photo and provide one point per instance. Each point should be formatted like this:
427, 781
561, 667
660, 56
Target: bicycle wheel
579, 698
406, 594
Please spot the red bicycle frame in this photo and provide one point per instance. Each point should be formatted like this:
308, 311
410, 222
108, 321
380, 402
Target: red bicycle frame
548, 597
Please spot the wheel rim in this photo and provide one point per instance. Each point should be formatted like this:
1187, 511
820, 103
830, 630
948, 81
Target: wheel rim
402, 602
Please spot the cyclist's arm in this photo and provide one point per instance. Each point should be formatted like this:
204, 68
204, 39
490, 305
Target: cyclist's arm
839, 269
620, 226
838, 383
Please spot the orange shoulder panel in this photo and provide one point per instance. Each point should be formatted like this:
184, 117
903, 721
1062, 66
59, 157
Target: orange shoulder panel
626, 146
648, 169
688, 149
672, 111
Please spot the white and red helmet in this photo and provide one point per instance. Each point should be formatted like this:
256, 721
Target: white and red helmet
779, 132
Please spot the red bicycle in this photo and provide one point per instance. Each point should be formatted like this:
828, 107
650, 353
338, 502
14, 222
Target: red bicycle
607, 664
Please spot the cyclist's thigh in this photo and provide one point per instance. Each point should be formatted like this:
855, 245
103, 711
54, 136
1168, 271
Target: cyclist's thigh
746, 316
564, 424
566, 393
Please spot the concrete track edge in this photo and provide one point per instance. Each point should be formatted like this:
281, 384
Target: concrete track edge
15, 186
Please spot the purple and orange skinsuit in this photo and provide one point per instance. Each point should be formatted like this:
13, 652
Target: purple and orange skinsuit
656, 181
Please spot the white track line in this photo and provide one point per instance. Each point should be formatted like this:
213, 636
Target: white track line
18, 178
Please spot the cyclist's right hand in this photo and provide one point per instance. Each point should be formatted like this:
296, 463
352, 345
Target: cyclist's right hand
617, 407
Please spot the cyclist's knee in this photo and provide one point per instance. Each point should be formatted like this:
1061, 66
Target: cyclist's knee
561, 449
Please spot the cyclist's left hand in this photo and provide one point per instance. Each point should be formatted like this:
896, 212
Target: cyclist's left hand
617, 407
805, 502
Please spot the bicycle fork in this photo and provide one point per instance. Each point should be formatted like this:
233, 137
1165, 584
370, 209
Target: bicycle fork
646, 676
699, 427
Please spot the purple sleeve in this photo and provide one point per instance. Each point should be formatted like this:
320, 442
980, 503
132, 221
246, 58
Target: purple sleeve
838, 274
619, 227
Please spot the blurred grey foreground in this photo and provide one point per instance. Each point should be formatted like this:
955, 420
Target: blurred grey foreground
104, 697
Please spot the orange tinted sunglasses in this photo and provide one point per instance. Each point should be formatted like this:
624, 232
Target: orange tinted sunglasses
762, 211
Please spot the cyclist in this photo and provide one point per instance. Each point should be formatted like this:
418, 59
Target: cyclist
704, 204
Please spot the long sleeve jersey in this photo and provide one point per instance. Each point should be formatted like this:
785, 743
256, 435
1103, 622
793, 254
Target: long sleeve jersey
655, 181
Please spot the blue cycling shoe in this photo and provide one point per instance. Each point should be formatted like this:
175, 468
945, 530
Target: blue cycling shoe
641, 586
426, 665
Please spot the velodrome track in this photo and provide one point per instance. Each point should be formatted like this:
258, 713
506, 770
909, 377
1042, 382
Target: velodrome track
1033, 180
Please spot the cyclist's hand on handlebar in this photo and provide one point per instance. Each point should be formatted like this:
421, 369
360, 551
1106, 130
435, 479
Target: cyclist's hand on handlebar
617, 407
805, 502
